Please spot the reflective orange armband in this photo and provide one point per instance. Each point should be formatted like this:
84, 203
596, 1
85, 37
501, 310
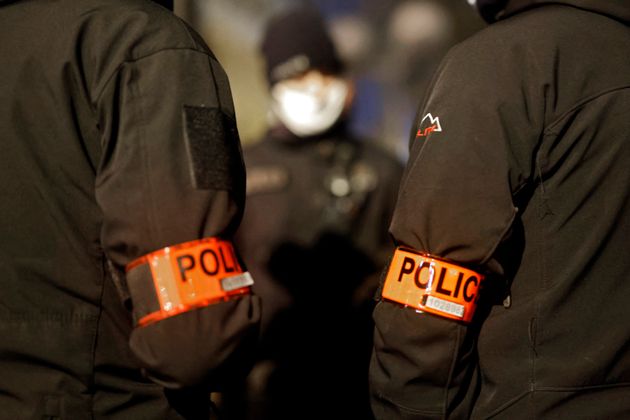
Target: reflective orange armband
432, 285
183, 277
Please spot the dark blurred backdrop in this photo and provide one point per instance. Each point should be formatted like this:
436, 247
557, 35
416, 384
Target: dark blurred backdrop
391, 48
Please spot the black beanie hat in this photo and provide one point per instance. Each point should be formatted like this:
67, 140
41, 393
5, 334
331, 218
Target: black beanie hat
296, 41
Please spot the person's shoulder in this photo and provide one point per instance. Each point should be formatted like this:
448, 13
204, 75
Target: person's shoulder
143, 26
500, 56
528, 29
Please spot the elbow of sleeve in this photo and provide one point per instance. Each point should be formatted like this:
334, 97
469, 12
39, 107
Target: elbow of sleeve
422, 367
206, 347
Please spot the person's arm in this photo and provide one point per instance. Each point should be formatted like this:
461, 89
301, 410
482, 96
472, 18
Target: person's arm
172, 173
471, 154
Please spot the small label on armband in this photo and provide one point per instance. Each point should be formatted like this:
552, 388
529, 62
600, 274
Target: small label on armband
236, 282
432, 285
192, 275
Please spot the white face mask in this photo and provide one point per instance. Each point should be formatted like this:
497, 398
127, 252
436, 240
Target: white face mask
310, 105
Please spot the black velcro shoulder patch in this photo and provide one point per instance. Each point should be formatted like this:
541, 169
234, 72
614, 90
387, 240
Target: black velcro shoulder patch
214, 149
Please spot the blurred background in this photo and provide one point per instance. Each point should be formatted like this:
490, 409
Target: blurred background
390, 48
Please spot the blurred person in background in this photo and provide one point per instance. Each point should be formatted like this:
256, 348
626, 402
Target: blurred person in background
518, 172
122, 183
388, 47
314, 233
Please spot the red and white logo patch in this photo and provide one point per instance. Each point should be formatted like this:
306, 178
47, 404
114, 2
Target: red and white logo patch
428, 125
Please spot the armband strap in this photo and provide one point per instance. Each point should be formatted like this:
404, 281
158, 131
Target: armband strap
183, 277
428, 284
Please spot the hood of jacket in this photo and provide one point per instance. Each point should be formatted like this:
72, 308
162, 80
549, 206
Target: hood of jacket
616, 9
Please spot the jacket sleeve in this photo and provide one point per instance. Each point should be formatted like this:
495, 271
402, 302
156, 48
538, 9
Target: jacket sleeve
172, 172
471, 156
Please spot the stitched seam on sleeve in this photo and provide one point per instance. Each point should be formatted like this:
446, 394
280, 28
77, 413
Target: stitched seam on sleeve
141, 127
411, 410
579, 104
507, 227
451, 370
217, 93
134, 60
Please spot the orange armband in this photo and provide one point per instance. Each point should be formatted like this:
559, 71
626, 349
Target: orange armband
432, 285
183, 277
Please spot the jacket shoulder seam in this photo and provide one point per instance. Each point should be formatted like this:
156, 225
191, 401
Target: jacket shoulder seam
550, 128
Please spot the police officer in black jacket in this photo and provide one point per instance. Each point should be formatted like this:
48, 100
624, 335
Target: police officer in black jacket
314, 233
122, 183
518, 172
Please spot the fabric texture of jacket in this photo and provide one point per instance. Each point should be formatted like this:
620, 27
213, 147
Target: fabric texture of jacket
117, 138
523, 174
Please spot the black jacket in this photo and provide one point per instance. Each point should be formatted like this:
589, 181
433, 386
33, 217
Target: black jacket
116, 139
314, 235
526, 175
292, 207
